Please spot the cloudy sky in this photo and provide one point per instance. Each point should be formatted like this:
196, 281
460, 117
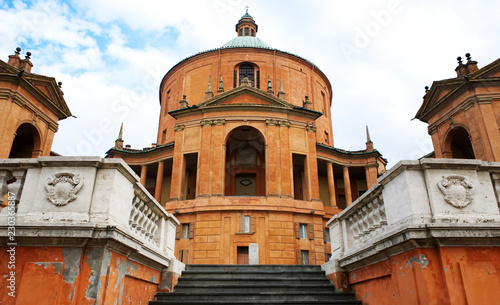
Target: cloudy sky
379, 55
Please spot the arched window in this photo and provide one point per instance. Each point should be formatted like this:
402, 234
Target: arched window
247, 70
459, 143
26, 143
245, 163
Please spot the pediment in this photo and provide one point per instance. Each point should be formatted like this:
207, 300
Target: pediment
245, 96
6, 68
46, 87
490, 71
42, 88
438, 92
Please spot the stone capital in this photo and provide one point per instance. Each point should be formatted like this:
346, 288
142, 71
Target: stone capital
311, 128
205, 123
178, 127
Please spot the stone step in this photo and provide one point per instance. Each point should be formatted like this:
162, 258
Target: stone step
173, 298
252, 274
252, 288
291, 282
254, 284
262, 302
259, 268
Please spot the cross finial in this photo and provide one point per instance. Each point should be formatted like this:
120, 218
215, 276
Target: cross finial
246, 8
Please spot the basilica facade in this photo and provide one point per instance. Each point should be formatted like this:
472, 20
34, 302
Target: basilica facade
245, 155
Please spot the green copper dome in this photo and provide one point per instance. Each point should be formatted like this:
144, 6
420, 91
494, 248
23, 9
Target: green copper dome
246, 42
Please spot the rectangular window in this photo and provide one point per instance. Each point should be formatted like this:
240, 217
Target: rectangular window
247, 224
185, 231
253, 33
303, 231
304, 257
246, 228
247, 32
327, 235
235, 76
258, 79
183, 256
241, 31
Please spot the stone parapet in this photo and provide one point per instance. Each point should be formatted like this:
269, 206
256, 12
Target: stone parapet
74, 201
444, 202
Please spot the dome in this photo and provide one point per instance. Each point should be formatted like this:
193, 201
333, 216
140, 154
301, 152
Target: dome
246, 41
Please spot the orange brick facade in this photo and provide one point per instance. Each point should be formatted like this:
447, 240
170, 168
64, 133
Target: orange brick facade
463, 113
32, 105
247, 131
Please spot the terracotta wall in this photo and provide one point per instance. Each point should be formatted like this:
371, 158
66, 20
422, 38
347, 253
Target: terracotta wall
446, 275
75, 275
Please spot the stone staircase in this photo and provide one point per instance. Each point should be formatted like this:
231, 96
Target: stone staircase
254, 284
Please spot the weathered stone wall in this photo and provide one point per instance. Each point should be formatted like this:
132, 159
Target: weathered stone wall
426, 233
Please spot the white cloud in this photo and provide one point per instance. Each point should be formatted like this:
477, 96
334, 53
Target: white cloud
88, 45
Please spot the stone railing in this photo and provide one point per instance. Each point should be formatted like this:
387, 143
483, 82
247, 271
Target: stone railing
143, 219
367, 220
79, 198
446, 199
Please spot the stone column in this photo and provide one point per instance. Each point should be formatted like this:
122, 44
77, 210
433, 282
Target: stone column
331, 185
159, 182
144, 173
347, 186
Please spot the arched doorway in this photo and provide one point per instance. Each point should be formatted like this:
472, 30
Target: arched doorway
459, 143
26, 143
245, 163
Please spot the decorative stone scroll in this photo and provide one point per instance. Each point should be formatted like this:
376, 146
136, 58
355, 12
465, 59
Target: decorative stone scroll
457, 190
62, 188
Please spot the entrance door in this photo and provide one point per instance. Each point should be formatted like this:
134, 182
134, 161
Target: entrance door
242, 256
245, 184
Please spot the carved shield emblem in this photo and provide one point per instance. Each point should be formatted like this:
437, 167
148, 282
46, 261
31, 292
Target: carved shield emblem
62, 188
457, 190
